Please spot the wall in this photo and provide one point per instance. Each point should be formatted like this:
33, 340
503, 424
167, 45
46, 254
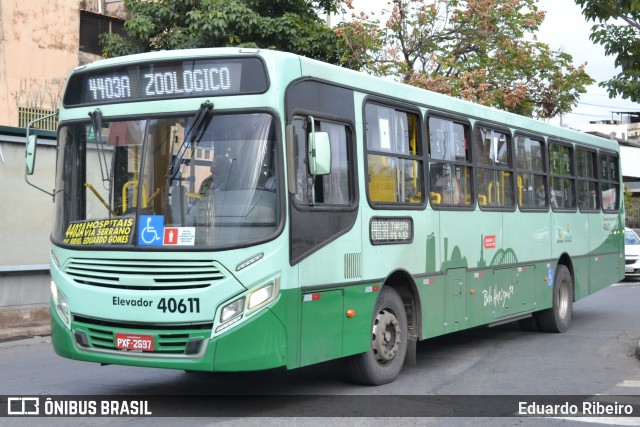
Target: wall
617, 131
38, 49
26, 218
630, 159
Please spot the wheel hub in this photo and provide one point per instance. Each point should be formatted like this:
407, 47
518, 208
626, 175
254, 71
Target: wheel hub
386, 336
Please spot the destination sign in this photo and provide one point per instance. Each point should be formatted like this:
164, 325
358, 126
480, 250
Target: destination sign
390, 230
161, 80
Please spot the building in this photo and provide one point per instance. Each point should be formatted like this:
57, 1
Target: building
41, 41
627, 128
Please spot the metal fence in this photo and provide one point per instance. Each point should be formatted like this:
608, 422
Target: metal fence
26, 115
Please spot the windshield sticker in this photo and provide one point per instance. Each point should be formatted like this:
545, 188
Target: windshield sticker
179, 236
151, 230
106, 231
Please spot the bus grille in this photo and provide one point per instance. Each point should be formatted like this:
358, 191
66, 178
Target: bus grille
168, 339
144, 274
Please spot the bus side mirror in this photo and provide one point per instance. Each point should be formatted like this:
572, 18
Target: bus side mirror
30, 156
319, 153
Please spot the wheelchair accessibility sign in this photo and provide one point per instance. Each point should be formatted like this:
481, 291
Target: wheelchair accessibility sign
151, 230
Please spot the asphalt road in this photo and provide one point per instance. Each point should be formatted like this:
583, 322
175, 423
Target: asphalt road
597, 356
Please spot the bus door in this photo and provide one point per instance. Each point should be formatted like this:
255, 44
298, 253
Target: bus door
325, 233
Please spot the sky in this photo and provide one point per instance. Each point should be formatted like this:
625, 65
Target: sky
564, 28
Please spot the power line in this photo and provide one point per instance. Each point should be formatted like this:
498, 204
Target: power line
588, 115
595, 94
610, 107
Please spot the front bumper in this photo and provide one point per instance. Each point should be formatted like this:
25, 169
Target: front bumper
257, 343
632, 267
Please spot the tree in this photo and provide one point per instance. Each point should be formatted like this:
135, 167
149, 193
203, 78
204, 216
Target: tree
289, 25
479, 50
617, 29
631, 208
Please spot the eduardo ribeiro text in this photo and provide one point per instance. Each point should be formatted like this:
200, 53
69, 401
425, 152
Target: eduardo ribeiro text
587, 409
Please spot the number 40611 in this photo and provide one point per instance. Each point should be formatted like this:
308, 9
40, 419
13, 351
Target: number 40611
173, 305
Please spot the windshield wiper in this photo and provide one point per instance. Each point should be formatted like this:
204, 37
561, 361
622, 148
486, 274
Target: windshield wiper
194, 133
96, 123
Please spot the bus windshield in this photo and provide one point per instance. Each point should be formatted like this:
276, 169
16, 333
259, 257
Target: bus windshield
168, 182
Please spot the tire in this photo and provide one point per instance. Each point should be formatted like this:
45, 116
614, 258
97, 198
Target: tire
558, 317
389, 337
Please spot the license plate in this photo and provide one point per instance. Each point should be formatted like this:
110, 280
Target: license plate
134, 342
628, 269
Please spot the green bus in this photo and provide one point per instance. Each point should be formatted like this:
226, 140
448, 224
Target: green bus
234, 209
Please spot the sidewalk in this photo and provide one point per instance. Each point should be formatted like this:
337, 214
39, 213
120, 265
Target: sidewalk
24, 322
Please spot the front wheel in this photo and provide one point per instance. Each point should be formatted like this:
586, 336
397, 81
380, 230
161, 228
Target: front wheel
558, 317
389, 335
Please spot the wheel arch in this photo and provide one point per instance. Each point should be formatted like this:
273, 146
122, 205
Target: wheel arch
403, 283
565, 259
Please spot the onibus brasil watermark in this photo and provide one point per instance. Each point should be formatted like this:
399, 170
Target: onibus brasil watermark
72, 407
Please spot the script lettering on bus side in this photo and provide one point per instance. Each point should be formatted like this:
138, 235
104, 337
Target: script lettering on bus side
497, 296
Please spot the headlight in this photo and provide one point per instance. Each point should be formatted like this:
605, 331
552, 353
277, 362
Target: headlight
232, 310
61, 303
260, 296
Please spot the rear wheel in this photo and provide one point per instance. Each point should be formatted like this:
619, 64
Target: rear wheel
558, 317
383, 362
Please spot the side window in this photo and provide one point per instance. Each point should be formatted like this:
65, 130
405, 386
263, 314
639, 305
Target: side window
588, 195
394, 156
495, 168
610, 181
450, 170
335, 188
531, 181
562, 176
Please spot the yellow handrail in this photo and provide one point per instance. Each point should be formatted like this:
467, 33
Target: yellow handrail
90, 187
520, 189
490, 192
126, 186
503, 174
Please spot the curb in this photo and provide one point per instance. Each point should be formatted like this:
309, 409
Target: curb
24, 322
17, 333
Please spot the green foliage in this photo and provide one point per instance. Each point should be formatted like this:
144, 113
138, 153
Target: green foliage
617, 29
632, 211
288, 25
479, 50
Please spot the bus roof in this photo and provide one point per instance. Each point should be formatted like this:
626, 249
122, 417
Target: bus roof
374, 86
447, 104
